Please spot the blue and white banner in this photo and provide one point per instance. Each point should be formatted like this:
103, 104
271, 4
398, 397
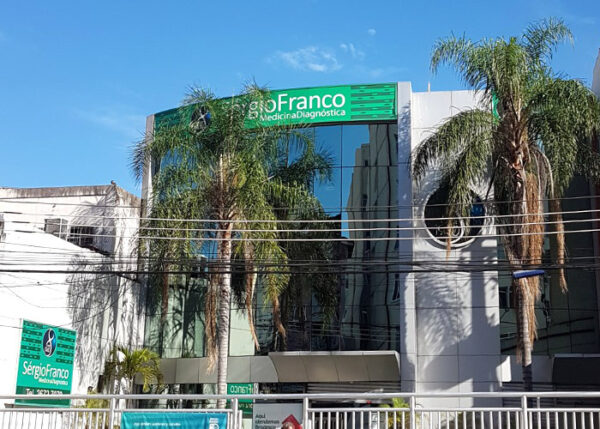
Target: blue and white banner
169, 420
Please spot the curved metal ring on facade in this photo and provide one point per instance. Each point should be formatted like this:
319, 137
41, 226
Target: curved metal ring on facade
462, 235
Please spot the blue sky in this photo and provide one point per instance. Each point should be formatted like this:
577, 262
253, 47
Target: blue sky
77, 79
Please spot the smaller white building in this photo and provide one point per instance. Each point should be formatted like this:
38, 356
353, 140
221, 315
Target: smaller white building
68, 258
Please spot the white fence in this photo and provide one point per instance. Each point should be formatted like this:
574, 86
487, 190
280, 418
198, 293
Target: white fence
543, 410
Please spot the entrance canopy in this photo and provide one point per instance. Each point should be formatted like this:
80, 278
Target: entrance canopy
290, 367
319, 367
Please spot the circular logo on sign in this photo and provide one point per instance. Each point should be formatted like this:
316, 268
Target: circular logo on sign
49, 342
200, 120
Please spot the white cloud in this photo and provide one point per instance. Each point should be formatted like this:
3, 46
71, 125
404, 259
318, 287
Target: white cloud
119, 120
385, 72
311, 58
356, 54
371, 31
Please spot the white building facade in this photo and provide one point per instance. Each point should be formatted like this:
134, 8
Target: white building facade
68, 258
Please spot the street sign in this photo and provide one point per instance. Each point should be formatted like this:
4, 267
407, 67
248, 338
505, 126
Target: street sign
521, 274
242, 389
272, 416
46, 358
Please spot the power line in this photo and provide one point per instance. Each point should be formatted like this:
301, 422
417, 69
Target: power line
79, 334
144, 258
303, 221
327, 239
467, 268
28, 200
342, 229
292, 263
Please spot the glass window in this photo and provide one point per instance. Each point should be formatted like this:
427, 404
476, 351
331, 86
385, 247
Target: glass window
82, 236
57, 227
330, 311
566, 322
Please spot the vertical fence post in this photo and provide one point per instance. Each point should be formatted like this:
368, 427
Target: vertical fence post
305, 423
234, 417
413, 414
111, 413
524, 419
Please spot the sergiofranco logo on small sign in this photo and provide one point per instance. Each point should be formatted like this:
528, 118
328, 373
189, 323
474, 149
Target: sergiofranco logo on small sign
49, 342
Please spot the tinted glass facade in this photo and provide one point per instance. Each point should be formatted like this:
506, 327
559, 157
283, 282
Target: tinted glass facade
354, 307
360, 194
566, 322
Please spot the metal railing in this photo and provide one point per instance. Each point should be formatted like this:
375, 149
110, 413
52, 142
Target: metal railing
536, 410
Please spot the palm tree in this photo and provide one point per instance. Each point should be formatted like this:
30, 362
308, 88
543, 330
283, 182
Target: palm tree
124, 365
528, 147
399, 418
217, 168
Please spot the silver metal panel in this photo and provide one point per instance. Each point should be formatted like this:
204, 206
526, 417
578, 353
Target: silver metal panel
168, 368
350, 368
320, 367
241, 369
262, 370
238, 369
289, 367
335, 367
187, 371
383, 367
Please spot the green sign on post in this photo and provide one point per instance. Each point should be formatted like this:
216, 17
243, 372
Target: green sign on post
45, 363
242, 389
303, 106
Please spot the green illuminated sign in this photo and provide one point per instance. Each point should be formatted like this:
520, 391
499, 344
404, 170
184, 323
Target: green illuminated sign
45, 363
327, 104
343, 103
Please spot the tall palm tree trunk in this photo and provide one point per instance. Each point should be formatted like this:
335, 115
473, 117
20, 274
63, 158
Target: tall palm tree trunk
522, 307
164, 308
524, 247
224, 311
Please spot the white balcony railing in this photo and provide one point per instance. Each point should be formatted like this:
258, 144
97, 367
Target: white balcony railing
536, 410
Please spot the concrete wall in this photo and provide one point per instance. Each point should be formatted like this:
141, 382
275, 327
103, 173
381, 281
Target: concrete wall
103, 308
457, 315
407, 303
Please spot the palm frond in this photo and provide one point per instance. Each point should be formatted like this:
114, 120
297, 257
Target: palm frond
474, 62
563, 117
139, 158
470, 127
541, 38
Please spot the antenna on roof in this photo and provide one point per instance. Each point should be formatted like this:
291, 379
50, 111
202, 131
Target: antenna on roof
428, 86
